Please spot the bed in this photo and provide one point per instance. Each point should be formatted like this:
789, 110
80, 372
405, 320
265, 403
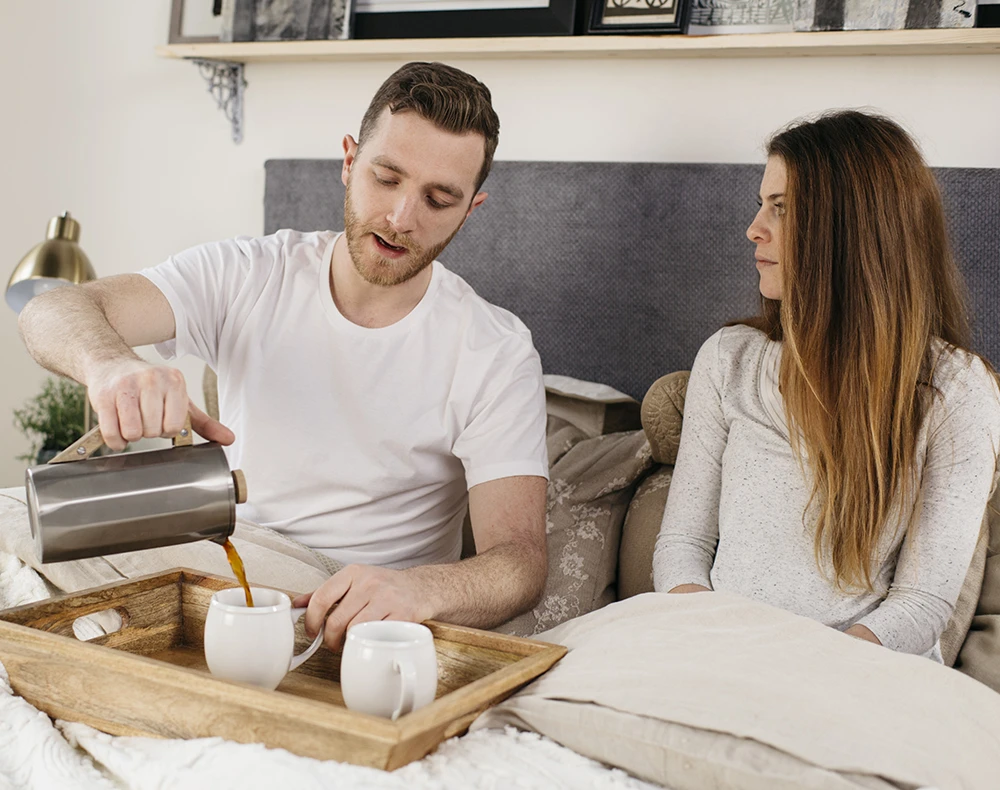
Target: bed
620, 270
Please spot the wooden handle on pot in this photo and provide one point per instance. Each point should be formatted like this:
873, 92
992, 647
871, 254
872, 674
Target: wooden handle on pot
240, 485
186, 437
82, 448
93, 440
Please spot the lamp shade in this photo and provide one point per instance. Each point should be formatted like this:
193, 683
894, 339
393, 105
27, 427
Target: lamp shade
55, 262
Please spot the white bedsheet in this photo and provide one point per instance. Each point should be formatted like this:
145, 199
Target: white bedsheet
36, 752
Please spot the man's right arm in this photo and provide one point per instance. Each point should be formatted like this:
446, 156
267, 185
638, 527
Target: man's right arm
87, 332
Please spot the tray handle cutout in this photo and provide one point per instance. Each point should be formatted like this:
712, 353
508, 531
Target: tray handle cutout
98, 624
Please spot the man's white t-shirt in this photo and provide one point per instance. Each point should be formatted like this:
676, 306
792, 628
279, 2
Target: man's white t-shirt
361, 443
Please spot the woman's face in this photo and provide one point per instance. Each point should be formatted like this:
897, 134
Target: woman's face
765, 230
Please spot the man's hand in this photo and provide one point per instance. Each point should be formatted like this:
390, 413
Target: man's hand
134, 399
505, 578
87, 332
688, 588
362, 593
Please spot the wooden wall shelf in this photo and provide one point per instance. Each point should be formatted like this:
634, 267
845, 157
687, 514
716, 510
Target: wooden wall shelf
974, 41
222, 64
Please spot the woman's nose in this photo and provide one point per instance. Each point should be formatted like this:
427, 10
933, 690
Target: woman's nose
757, 232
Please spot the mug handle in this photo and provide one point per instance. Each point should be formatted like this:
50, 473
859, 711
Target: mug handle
308, 652
407, 684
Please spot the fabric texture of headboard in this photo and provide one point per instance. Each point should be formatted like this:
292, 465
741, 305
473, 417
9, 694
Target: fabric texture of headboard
622, 270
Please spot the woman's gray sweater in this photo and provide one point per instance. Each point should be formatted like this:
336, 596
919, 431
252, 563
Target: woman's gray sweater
735, 518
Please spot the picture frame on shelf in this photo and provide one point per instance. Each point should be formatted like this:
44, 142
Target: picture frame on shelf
378, 19
649, 17
988, 13
287, 20
195, 21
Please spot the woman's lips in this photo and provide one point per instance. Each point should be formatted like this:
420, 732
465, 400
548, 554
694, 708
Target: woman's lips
763, 263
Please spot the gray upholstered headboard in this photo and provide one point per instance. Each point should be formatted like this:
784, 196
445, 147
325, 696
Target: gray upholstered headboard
622, 270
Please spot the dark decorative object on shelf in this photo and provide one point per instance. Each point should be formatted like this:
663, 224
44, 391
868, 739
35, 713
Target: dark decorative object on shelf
464, 18
638, 16
875, 15
286, 20
988, 13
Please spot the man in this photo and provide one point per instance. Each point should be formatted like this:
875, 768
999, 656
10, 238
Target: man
374, 396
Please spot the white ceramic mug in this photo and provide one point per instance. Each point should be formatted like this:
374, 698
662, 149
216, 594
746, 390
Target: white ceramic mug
388, 668
253, 644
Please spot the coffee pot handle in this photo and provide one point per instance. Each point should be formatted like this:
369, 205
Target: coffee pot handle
298, 660
93, 440
407, 670
82, 448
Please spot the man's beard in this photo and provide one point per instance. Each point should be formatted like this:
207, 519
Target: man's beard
372, 267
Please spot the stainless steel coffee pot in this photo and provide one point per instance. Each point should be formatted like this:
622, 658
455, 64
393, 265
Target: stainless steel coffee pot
80, 506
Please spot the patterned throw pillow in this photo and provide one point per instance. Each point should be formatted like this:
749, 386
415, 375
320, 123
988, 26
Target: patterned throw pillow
591, 482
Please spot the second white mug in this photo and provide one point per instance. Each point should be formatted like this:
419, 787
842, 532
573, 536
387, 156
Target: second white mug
388, 668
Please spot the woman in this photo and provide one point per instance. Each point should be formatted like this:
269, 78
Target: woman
838, 451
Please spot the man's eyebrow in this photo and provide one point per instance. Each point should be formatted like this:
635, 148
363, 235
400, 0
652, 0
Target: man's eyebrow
382, 162
455, 192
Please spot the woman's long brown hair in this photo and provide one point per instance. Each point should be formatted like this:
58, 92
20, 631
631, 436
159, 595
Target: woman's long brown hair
868, 280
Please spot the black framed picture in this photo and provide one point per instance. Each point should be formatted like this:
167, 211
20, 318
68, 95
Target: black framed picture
638, 16
463, 18
195, 21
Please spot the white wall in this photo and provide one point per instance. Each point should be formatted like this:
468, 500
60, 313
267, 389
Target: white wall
132, 144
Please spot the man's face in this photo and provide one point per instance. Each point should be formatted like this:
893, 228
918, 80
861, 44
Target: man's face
409, 189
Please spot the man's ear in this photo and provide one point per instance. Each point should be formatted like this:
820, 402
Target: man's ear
476, 202
350, 154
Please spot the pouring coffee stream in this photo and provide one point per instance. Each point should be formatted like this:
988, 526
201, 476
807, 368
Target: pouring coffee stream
81, 507
236, 563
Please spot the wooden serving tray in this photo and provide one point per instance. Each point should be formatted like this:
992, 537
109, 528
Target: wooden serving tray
150, 677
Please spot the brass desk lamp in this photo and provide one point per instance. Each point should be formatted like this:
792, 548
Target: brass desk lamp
55, 262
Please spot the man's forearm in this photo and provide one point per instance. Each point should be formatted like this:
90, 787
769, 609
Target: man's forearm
67, 332
488, 589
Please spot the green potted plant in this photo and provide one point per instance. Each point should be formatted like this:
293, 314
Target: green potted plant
52, 420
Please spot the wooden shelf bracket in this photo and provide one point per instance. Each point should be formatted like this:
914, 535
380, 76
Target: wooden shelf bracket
226, 83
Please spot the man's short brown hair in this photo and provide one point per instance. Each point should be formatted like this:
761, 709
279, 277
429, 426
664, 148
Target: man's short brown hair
447, 97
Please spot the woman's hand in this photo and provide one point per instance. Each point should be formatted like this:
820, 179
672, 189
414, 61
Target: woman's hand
862, 632
689, 588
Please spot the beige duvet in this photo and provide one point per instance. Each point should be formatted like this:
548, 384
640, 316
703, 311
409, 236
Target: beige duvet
712, 690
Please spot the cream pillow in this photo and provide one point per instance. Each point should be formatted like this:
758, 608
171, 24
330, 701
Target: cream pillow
592, 407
